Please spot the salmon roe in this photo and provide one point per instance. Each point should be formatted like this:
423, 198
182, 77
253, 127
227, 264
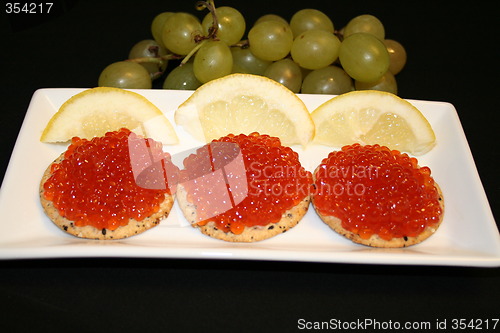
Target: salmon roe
244, 181
375, 190
108, 180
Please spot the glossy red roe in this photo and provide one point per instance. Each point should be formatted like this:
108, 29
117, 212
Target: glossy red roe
268, 181
375, 190
108, 180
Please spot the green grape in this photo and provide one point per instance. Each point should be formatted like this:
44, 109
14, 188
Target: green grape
364, 57
213, 60
126, 75
331, 80
179, 33
386, 83
230, 22
182, 78
271, 17
365, 23
309, 19
157, 26
146, 49
305, 71
314, 49
397, 55
270, 40
286, 72
244, 61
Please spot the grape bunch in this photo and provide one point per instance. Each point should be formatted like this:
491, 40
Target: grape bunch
305, 54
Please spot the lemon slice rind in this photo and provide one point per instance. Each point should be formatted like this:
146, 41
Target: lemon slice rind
354, 114
96, 111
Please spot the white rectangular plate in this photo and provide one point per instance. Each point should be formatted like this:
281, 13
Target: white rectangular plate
468, 235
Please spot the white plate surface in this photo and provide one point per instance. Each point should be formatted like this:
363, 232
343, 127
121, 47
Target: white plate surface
468, 235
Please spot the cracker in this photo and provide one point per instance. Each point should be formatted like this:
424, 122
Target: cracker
375, 241
133, 227
289, 219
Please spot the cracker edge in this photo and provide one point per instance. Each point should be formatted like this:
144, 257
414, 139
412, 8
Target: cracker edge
289, 219
375, 240
133, 227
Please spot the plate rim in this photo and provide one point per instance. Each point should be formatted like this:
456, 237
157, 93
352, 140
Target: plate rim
7, 252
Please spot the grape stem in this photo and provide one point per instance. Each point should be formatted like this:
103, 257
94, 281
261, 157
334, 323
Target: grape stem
339, 34
200, 40
192, 52
243, 44
157, 60
156, 57
160, 60
156, 75
212, 31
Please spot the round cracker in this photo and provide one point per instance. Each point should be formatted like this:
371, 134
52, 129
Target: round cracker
375, 240
289, 219
133, 227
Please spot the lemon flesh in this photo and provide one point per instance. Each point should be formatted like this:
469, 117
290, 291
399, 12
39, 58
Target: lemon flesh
96, 111
242, 104
373, 117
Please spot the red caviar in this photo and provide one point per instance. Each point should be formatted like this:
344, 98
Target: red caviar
108, 180
243, 181
375, 190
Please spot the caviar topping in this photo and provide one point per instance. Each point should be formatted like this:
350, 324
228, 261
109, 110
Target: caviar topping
375, 190
108, 180
244, 181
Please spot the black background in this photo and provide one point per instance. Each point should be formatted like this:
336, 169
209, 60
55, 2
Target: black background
453, 57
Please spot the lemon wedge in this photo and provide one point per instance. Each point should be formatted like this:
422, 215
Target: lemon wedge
373, 117
96, 111
242, 104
